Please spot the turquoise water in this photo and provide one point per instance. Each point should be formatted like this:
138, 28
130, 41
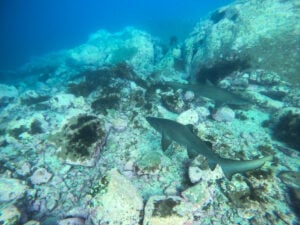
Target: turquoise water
153, 113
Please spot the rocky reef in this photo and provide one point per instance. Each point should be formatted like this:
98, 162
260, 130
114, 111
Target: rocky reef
76, 148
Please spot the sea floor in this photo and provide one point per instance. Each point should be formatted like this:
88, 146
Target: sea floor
48, 175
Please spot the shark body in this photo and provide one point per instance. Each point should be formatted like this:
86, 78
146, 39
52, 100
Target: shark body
219, 95
182, 134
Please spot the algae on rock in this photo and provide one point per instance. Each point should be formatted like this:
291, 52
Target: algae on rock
81, 140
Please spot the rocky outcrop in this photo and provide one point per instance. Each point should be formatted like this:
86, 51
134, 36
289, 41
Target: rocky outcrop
246, 34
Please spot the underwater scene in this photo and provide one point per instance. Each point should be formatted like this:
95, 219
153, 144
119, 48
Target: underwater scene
150, 124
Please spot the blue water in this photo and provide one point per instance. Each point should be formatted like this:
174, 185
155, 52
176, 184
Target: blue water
35, 27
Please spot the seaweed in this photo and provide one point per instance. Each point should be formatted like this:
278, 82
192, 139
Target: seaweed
92, 80
78, 139
165, 207
16, 132
288, 129
102, 104
36, 127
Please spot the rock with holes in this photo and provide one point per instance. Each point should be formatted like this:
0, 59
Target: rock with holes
115, 201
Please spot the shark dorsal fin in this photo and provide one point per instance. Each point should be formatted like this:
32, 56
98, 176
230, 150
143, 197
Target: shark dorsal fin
165, 143
209, 144
190, 127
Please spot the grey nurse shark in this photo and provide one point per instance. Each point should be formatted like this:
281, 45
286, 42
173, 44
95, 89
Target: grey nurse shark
208, 90
182, 134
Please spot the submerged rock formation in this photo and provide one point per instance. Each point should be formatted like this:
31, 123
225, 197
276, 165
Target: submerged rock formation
246, 34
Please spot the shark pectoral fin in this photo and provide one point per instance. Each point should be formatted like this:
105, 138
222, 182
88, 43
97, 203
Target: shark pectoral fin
208, 143
192, 153
228, 174
212, 165
165, 143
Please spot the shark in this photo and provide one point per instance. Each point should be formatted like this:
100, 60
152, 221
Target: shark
183, 135
218, 95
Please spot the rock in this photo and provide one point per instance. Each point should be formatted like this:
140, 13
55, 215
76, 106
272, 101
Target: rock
31, 97
9, 215
189, 96
81, 140
119, 124
115, 201
197, 174
11, 189
24, 169
228, 41
189, 116
72, 221
203, 113
32, 222
40, 176
62, 102
162, 210
286, 127
198, 194
173, 101
7, 94
290, 178
131, 45
27, 126
224, 114
149, 163
79, 212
